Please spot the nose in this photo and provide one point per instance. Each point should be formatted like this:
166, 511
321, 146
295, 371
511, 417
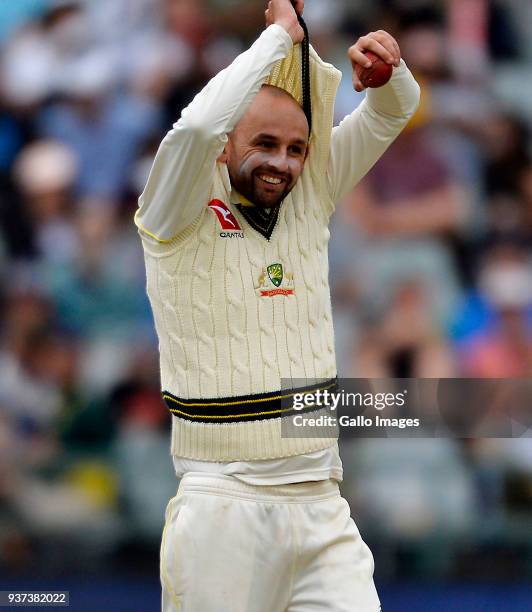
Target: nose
279, 161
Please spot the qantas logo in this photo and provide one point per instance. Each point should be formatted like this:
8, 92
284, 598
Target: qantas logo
225, 217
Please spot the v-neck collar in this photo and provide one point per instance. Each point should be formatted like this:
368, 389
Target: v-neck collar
262, 220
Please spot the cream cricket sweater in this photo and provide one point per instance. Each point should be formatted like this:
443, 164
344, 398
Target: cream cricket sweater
236, 312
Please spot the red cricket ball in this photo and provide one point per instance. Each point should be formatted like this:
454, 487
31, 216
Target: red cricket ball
377, 75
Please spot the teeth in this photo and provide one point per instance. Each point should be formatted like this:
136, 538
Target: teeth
269, 179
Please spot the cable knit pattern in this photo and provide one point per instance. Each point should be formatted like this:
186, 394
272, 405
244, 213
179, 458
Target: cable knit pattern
201, 302
237, 314
219, 336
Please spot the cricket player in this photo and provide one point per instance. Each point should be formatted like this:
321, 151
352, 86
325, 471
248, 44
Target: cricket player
233, 221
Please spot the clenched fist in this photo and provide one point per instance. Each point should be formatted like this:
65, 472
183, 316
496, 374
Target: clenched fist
284, 13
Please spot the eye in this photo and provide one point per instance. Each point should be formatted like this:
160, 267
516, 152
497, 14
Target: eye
296, 150
265, 144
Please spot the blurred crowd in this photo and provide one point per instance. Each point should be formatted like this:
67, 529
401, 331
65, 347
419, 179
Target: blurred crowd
431, 269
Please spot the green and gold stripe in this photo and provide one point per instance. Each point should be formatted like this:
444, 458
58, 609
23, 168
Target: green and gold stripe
244, 407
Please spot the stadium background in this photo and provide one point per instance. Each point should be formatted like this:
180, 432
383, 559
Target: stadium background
430, 275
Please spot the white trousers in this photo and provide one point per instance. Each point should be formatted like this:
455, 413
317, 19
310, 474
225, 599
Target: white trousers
232, 547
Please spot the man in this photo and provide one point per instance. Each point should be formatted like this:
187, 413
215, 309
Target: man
234, 226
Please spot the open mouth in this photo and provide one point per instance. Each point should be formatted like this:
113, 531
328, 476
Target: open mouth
269, 179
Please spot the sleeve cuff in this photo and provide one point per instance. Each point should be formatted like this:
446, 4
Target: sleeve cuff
282, 35
399, 97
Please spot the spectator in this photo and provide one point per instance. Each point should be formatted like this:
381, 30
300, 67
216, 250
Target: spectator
504, 347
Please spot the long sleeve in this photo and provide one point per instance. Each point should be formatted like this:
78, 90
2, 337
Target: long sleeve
364, 135
182, 171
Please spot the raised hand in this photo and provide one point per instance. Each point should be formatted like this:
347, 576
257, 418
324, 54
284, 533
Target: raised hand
382, 44
284, 13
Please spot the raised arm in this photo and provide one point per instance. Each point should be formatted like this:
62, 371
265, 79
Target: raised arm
180, 178
364, 135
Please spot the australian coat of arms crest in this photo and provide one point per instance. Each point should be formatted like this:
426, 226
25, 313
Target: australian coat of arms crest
274, 280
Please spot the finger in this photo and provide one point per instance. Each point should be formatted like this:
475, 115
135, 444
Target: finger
397, 49
397, 54
390, 44
299, 5
357, 83
268, 14
357, 57
370, 43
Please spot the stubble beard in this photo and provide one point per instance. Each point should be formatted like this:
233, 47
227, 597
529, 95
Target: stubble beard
251, 189
267, 200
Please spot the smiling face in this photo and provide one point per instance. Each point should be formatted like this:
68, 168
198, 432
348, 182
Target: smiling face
266, 151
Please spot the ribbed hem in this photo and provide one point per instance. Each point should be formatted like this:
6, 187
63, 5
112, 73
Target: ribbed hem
257, 406
247, 441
